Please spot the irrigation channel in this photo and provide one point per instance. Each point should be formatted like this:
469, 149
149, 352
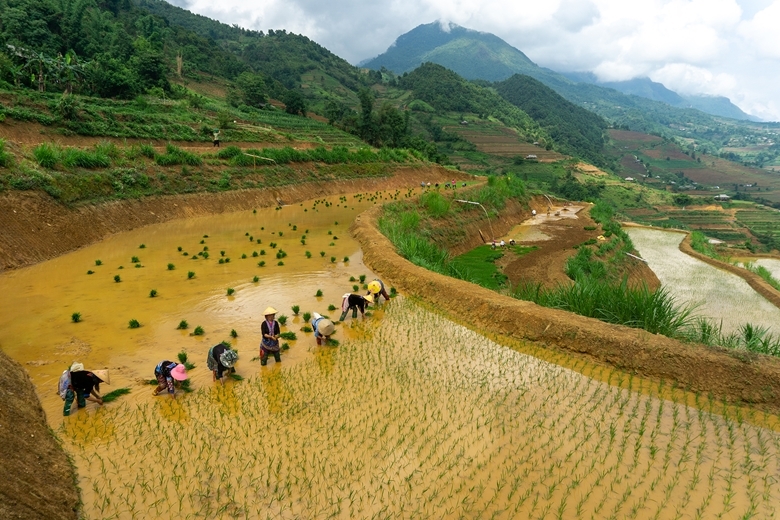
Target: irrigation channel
411, 416
721, 296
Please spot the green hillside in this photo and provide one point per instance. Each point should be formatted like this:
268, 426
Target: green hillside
577, 131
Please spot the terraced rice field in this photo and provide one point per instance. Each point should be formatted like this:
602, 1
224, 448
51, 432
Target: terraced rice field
723, 297
501, 141
400, 422
762, 221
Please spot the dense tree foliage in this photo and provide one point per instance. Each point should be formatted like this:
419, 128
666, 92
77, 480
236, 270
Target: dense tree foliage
446, 91
576, 131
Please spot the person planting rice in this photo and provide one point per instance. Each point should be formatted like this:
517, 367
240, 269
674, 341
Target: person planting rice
166, 373
354, 302
270, 342
323, 328
84, 386
377, 288
221, 361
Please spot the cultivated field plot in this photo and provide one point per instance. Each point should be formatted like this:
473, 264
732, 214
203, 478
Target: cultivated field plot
420, 418
691, 281
760, 220
688, 219
502, 141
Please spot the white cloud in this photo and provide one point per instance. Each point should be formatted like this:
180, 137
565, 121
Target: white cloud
762, 32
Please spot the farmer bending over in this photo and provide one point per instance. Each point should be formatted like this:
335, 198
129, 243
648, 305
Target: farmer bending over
86, 387
220, 361
377, 289
354, 302
166, 372
323, 328
270, 342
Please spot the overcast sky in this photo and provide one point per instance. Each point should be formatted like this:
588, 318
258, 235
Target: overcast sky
717, 47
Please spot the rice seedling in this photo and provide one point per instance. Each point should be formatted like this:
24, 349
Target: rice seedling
231, 291
306, 317
261, 263
308, 254
355, 288
222, 253
236, 377
352, 279
255, 279
262, 252
318, 294
184, 360
322, 254
282, 319
346, 259
362, 278
198, 331
153, 293
306, 328
142, 246
98, 262
179, 249
90, 271
332, 259
243, 256
117, 278
133, 324
115, 394
280, 262
296, 309
171, 267
221, 261
233, 333
254, 254
190, 275
75, 317
331, 307
288, 336
285, 346
183, 325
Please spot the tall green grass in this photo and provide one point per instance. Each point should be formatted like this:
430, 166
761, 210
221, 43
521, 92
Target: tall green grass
633, 306
174, 156
6, 159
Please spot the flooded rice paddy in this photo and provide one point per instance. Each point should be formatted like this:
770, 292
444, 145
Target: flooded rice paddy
411, 416
722, 296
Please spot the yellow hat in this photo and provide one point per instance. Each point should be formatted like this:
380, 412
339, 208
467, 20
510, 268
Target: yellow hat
103, 375
369, 298
374, 287
269, 310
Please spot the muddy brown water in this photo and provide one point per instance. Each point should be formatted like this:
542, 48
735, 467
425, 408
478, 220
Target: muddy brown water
412, 416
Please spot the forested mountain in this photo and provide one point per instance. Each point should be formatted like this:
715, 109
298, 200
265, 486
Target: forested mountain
647, 88
647, 109
577, 131
447, 92
472, 54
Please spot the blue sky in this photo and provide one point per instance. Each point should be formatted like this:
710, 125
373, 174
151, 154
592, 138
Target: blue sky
713, 47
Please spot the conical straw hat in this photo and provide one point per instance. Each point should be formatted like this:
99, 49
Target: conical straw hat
103, 375
269, 310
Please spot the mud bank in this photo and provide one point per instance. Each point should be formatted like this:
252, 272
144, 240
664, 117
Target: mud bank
34, 227
39, 481
744, 379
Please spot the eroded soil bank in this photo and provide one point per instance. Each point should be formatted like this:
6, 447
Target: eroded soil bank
38, 480
742, 378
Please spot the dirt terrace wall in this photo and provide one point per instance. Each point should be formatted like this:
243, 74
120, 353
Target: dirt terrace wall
747, 378
37, 479
34, 227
